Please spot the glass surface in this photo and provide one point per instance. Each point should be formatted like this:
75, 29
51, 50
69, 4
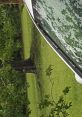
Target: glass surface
62, 20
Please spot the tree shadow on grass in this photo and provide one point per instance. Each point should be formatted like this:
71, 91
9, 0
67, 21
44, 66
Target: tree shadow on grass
35, 54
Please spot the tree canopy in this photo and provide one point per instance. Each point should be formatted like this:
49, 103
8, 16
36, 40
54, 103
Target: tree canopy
13, 86
10, 1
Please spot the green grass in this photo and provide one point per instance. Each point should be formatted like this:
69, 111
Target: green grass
27, 27
40, 84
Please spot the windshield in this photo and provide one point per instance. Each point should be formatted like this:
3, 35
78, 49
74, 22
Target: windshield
62, 20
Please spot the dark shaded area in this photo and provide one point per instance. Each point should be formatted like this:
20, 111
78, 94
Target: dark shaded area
11, 1
17, 55
1, 64
26, 66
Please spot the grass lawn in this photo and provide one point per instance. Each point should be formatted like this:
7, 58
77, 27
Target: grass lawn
61, 76
27, 27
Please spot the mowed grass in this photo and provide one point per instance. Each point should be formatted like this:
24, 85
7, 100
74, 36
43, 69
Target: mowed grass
61, 76
27, 28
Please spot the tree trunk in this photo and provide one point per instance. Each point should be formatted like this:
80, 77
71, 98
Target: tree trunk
26, 66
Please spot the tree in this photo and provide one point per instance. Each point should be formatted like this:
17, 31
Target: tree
56, 108
13, 85
11, 40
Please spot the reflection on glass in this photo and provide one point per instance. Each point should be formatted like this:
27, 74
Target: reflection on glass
62, 20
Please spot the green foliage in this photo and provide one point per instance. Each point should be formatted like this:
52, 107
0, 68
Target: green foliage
66, 90
46, 102
48, 74
56, 108
13, 86
49, 70
10, 35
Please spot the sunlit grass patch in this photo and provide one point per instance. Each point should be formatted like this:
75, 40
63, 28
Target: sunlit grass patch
52, 74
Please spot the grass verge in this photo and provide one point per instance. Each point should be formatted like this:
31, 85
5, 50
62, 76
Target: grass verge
27, 27
61, 76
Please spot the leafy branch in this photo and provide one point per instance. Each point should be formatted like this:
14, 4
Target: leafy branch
56, 108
